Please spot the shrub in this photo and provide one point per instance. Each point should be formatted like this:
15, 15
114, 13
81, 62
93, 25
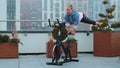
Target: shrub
115, 25
105, 19
14, 40
63, 34
4, 38
72, 40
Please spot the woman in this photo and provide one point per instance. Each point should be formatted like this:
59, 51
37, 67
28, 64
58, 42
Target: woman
72, 19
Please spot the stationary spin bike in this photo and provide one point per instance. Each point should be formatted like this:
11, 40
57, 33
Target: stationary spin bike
59, 48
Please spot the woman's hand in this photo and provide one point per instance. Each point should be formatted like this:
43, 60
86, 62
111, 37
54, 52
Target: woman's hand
68, 29
73, 31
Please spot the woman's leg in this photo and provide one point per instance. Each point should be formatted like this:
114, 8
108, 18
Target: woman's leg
85, 19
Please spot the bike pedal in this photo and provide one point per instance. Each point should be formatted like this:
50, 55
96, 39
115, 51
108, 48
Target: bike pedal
58, 64
74, 60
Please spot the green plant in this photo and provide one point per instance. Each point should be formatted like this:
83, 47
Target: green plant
1, 38
14, 40
72, 40
105, 2
105, 18
115, 25
104, 23
4, 38
105, 29
95, 28
63, 34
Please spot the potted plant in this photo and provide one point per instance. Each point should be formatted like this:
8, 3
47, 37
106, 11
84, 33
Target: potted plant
8, 47
115, 26
105, 41
73, 47
51, 43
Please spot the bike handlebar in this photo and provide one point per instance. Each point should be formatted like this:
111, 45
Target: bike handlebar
55, 25
49, 22
58, 21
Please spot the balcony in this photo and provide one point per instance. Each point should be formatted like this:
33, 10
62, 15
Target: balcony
29, 19
32, 44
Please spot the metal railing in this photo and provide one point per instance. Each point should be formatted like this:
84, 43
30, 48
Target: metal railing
28, 26
31, 20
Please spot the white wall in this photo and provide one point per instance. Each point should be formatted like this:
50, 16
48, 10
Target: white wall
36, 42
33, 43
85, 43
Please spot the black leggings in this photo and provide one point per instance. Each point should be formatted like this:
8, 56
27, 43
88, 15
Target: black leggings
85, 19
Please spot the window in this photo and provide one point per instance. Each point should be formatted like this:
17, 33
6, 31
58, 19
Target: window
51, 6
51, 16
62, 5
45, 16
57, 10
62, 16
45, 5
56, 4
11, 10
57, 15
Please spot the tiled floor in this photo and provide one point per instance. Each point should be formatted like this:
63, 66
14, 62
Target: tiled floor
39, 61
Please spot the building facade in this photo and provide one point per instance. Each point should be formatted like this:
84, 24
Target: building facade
30, 10
42, 10
11, 14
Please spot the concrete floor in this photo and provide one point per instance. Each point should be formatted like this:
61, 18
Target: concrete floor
39, 61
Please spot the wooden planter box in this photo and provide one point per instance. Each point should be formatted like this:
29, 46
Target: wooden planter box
73, 49
8, 50
119, 47
106, 44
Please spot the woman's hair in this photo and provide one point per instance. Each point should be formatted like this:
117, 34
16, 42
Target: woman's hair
70, 6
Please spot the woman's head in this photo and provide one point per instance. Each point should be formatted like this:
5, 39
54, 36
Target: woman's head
69, 9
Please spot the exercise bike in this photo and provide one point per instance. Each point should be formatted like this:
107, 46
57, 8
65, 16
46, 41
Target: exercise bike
59, 48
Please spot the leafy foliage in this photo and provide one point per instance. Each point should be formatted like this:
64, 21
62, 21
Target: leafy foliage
105, 18
115, 25
6, 39
71, 40
14, 40
63, 33
105, 2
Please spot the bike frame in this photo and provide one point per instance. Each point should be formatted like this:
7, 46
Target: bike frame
58, 46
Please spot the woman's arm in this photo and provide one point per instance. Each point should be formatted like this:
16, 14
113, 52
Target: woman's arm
71, 28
